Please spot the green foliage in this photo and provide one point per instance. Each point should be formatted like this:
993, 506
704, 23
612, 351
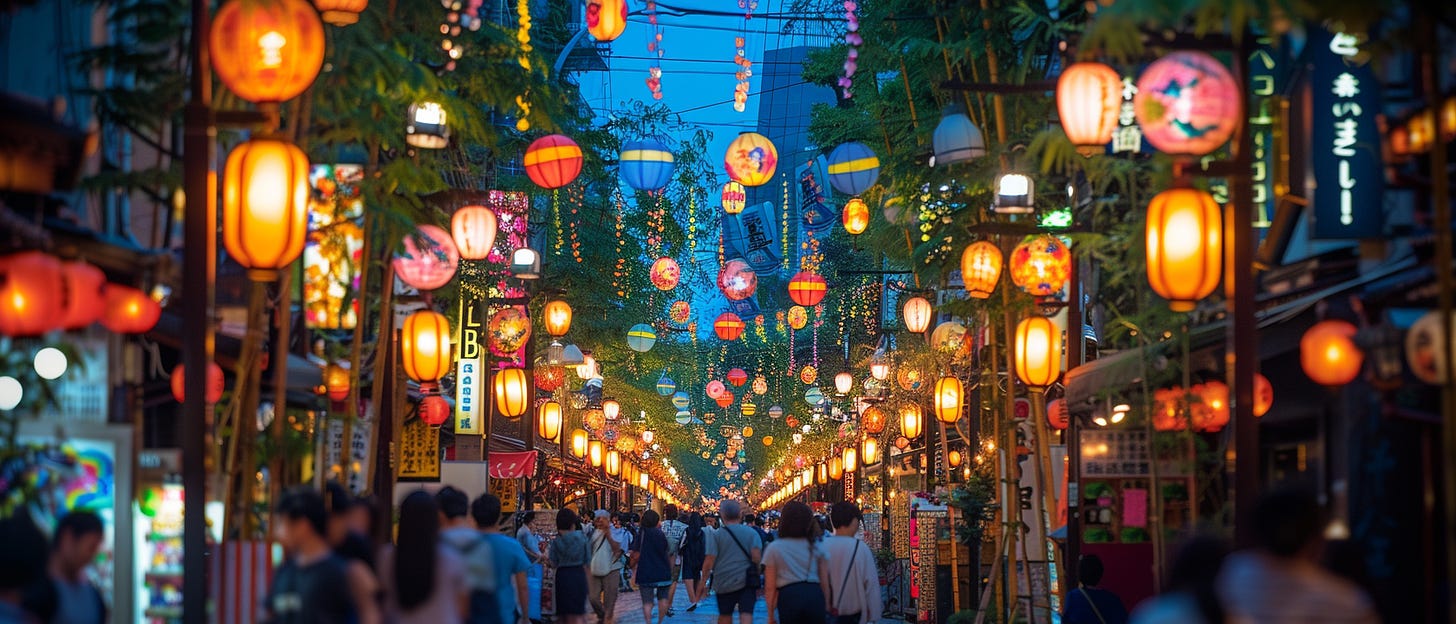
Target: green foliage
976, 501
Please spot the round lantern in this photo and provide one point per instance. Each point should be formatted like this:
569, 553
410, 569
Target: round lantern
902, 443
760, 385
737, 280
340, 12
30, 302
606, 19
265, 203
734, 198
1328, 354
912, 420
336, 382
844, 382
508, 330
641, 338
856, 216
950, 337
665, 273
748, 409
646, 164
956, 139
737, 377
1038, 351
1425, 349
648, 436
1212, 412
681, 400
715, 389
425, 346
775, 412
1185, 254
683, 417
434, 410
82, 286
548, 420
728, 326
429, 258
665, 385
512, 393
1187, 103
917, 314
981, 268
808, 374
1058, 416
1089, 96
680, 312
873, 420
1041, 265
853, 168
129, 310
768, 440
267, 52
550, 378
909, 378
425, 127
579, 442
724, 400
611, 409
751, 160
798, 317
1263, 395
557, 318
807, 288
216, 382
473, 228
949, 398
553, 161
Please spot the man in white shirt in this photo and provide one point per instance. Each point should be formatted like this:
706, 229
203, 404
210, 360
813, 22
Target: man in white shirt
603, 589
675, 530
854, 583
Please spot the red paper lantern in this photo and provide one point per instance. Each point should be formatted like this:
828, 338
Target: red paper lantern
1041, 265
737, 280
728, 326
216, 382
1328, 354
1263, 395
549, 378
82, 286
737, 377
807, 289
606, 19
1089, 96
1057, 414
553, 161
1168, 409
129, 310
725, 399
434, 410
1187, 103
31, 301
267, 51
473, 229
427, 266
1211, 412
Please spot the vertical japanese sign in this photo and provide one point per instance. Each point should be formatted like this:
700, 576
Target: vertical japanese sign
1128, 137
469, 372
335, 454
1345, 142
753, 235
1265, 119
419, 451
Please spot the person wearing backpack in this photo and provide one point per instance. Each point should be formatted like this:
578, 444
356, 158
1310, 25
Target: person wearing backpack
796, 571
732, 559
512, 592
676, 533
458, 532
854, 583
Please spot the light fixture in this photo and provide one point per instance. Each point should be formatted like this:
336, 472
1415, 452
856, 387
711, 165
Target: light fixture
579, 443
267, 52
1089, 97
526, 263
1038, 351
1184, 249
50, 363
1328, 354
956, 139
954, 458
1119, 412
850, 457
596, 452
557, 317
474, 228
911, 420
548, 420
265, 205
1014, 194
611, 409
512, 392
425, 346
981, 268
869, 451
843, 382
11, 392
949, 398
917, 313
614, 462
880, 365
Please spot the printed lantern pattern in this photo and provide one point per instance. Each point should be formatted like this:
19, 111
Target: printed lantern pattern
1041, 265
728, 326
646, 164
429, 267
665, 273
807, 289
734, 198
853, 168
553, 161
680, 312
606, 19
509, 329
1187, 103
550, 378
751, 160
737, 280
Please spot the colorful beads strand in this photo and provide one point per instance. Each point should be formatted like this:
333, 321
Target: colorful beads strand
852, 38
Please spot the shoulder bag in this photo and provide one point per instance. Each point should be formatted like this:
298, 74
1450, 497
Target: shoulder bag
845, 583
753, 578
601, 565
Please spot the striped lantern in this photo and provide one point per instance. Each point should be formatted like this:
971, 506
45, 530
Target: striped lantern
853, 167
681, 400
725, 399
737, 377
473, 228
553, 161
734, 197
748, 409
807, 289
728, 326
1089, 96
641, 338
646, 164
665, 385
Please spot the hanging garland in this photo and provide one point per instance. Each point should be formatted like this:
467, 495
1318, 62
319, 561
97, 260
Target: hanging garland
620, 272
654, 46
523, 36
574, 194
853, 40
785, 236
556, 220
455, 19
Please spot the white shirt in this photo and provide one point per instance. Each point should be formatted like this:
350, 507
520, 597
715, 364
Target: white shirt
860, 592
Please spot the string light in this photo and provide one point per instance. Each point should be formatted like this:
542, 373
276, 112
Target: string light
523, 36
852, 38
654, 46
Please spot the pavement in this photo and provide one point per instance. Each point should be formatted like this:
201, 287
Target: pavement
629, 610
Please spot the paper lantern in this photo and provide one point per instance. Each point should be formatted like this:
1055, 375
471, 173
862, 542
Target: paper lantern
641, 338
1187, 103
879, 366
30, 301
798, 317
856, 216
473, 228
836, 468
1212, 411
872, 420
606, 19
917, 314
734, 197
665, 385
216, 383
737, 280
912, 420
550, 378
267, 52
340, 12
1058, 416
1089, 96
768, 440
956, 139
950, 337
909, 378
869, 452
724, 400
427, 263
425, 346
1184, 246
844, 382
512, 393
434, 410
751, 160
129, 310
1425, 345
680, 312
807, 288
981, 268
814, 396
611, 410
808, 374
760, 385
850, 457
683, 417
507, 331
737, 376
265, 204
596, 452
1263, 395
949, 398
579, 442
82, 288
728, 326
1328, 354
548, 420
336, 382
748, 409
681, 400
425, 127
648, 436
1041, 265
556, 316
665, 273
775, 412
1038, 351
553, 161
853, 168
646, 164
715, 389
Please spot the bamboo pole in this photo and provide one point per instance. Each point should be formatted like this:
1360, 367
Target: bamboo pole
280, 382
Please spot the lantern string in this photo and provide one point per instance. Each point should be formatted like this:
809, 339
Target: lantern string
556, 219
852, 40
575, 195
786, 223
621, 267
654, 46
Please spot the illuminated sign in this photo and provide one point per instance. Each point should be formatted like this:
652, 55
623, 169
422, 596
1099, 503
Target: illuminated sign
1345, 99
1128, 137
469, 370
1265, 121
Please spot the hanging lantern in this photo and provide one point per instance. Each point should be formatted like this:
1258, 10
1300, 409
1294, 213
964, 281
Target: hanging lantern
1041, 265
579, 443
265, 203
434, 410
737, 376
954, 458
30, 303
798, 317
748, 409
1089, 97
808, 374
1212, 411
557, 318
614, 462
724, 400
844, 382
425, 346
856, 216
814, 396
82, 286
728, 326
665, 385
760, 385
737, 280
748, 429
129, 310
836, 468
807, 288
869, 451
873, 420
429, 265
680, 312
768, 440
512, 392
508, 330
340, 12
553, 161
611, 409
548, 420
648, 436
665, 273
606, 19
336, 382
775, 412
821, 473
1187, 103
426, 128
981, 268
1425, 347
550, 378
853, 168
911, 420
751, 159
956, 139
715, 389
646, 164
880, 366
641, 338
1058, 416
1328, 354
917, 315
734, 197
642, 482
949, 398
267, 52
1014, 194
216, 383
1185, 253
526, 264
850, 458
473, 228
596, 453
1038, 351
1263, 395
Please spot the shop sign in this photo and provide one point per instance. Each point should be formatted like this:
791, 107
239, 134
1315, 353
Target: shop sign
469, 370
813, 212
754, 236
505, 490
419, 451
1265, 120
1345, 140
1128, 137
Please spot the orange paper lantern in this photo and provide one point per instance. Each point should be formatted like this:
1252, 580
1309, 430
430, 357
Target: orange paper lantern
82, 287
1263, 395
873, 420
1038, 351
807, 288
856, 216
606, 19
30, 300
728, 326
341, 12
265, 205
1041, 265
1184, 245
336, 382
553, 161
1089, 96
129, 310
425, 346
751, 159
473, 229
1328, 354
981, 268
267, 52
434, 410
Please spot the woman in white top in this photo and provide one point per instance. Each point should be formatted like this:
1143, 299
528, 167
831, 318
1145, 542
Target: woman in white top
854, 582
425, 582
796, 572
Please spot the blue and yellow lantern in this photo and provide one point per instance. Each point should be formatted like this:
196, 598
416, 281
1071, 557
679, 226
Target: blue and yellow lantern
665, 385
646, 164
681, 400
853, 167
641, 338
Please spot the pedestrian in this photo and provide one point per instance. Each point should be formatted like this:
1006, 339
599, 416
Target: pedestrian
357, 552
424, 579
733, 555
78, 538
306, 588
693, 552
22, 566
755, 522
1192, 596
796, 570
513, 592
625, 533
459, 534
569, 553
534, 547
1279, 580
652, 567
674, 530
1090, 604
605, 571
854, 583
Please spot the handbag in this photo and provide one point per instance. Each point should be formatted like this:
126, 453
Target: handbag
845, 583
753, 578
601, 565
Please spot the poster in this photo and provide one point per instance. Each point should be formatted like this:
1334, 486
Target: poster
505, 490
754, 236
419, 451
358, 452
815, 214
469, 374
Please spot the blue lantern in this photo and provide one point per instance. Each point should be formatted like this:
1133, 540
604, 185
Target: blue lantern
853, 168
646, 164
665, 385
684, 417
681, 400
776, 412
641, 338
813, 396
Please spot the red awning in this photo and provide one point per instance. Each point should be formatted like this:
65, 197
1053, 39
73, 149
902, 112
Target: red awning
512, 465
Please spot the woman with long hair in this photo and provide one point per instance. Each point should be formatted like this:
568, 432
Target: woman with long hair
569, 554
694, 550
425, 582
796, 570
651, 567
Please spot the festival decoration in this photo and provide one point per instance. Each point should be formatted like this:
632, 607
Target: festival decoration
956, 139
665, 273
82, 285
680, 312
909, 378
856, 216
1015, 194
808, 374
751, 159
853, 40
340, 12
1184, 246
747, 408
1263, 395
665, 385
1058, 416
760, 385
508, 330
911, 420
646, 164
728, 326
981, 268
266, 52
872, 419
550, 378
950, 337
336, 382
556, 316
128, 310
425, 126
949, 398
917, 314
553, 161
737, 377
473, 228
715, 389
681, 400
813, 396
807, 288
265, 204
641, 337
30, 303
853, 168
1328, 354
1041, 265
425, 346
775, 412
737, 280
215, 384
606, 19
1211, 411
1089, 96
434, 410
523, 58
428, 266
725, 399
1038, 351
1187, 103
734, 197
844, 382
798, 317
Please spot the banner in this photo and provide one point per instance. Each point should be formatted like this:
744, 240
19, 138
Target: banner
814, 211
469, 375
419, 451
1345, 140
754, 236
512, 465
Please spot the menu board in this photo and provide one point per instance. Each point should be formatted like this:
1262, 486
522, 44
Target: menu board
419, 452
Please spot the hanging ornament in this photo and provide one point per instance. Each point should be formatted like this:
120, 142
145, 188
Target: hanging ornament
807, 288
641, 337
681, 400
715, 389
1187, 103
654, 46
813, 396
737, 280
798, 317
509, 329
680, 312
552, 161
429, 263
728, 326
751, 159
646, 164
760, 385
853, 40
853, 168
665, 385
665, 273
550, 378
1041, 265
910, 378
737, 377
808, 375
734, 197
606, 19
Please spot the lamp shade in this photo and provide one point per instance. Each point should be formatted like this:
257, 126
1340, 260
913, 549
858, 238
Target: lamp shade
425, 346
548, 420
912, 420
512, 392
751, 159
611, 409
853, 168
869, 451
553, 161
728, 326
981, 268
836, 468
734, 197
645, 164
596, 453
129, 310
216, 383
267, 52
856, 216
1328, 354
949, 398
873, 420
1041, 265
579, 442
434, 410
956, 139
30, 301
821, 473
917, 313
425, 126
1187, 103
844, 382
1089, 96
606, 19
1184, 245
557, 318
1014, 194
474, 228
340, 12
880, 366
807, 288
1038, 351
850, 457
265, 204
614, 462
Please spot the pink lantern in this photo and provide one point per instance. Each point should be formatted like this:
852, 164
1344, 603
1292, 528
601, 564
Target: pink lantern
1187, 103
429, 267
665, 273
737, 280
737, 377
715, 389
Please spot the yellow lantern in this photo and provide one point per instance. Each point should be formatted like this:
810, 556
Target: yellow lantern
579, 443
614, 462
1038, 351
954, 458
1185, 252
642, 480
911, 420
340, 12
512, 392
596, 452
265, 205
822, 474
1089, 96
856, 216
425, 346
267, 52
981, 268
548, 420
850, 457
949, 397
917, 315
869, 451
836, 468
1041, 265
606, 19
557, 317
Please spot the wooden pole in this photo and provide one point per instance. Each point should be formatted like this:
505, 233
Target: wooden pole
280, 382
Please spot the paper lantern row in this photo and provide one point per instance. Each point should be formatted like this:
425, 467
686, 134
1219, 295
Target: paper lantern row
41, 293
